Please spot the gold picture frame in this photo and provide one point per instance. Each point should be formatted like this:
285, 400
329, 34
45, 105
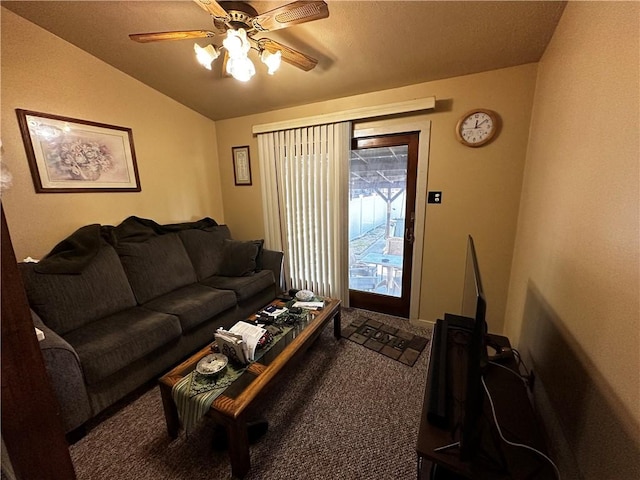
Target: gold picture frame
241, 165
68, 155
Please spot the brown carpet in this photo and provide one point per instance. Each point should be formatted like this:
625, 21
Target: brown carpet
344, 412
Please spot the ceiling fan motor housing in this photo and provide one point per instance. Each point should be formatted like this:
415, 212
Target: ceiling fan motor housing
240, 14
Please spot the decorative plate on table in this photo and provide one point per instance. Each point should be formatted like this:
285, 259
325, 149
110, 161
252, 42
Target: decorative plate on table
212, 364
305, 295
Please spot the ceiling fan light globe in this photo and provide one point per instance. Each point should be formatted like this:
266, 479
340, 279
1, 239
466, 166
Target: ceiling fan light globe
236, 42
205, 55
245, 41
271, 60
232, 43
241, 68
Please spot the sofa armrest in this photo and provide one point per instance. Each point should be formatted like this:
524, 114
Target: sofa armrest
272, 260
65, 373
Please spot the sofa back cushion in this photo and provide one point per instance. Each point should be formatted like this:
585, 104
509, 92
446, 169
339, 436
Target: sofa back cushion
65, 302
239, 258
206, 248
156, 266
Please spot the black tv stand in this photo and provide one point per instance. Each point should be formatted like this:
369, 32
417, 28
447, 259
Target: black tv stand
438, 457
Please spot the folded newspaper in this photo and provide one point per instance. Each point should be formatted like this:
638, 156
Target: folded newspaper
240, 341
314, 305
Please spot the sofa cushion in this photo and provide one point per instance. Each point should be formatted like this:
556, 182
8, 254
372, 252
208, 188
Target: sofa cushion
112, 343
156, 266
259, 261
239, 258
205, 248
193, 304
244, 287
65, 302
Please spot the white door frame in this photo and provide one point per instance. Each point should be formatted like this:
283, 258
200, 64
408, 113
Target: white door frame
404, 125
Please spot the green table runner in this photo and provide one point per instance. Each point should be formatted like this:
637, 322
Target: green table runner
194, 394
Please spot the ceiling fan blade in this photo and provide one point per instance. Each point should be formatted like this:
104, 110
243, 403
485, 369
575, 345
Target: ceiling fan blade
289, 55
179, 35
213, 8
291, 14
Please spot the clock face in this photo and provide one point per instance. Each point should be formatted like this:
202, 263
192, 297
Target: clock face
476, 128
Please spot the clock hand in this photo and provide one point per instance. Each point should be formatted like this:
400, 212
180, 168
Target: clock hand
481, 122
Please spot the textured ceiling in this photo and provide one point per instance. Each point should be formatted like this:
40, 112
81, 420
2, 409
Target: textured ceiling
362, 47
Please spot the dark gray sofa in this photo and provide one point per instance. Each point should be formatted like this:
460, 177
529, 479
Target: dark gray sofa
139, 305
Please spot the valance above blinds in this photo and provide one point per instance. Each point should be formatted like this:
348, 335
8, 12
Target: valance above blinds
376, 111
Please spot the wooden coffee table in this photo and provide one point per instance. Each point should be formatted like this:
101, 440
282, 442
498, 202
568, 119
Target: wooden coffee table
231, 407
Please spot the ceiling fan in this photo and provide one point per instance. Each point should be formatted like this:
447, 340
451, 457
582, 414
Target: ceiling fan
241, 23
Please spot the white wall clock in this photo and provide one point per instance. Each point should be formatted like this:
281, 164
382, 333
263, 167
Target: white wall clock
477, 127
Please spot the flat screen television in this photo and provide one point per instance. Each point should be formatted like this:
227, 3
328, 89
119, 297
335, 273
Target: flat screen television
474, 305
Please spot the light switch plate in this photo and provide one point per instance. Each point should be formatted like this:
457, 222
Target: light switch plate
434, 197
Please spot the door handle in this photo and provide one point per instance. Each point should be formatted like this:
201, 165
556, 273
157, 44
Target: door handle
408, 232
408, 235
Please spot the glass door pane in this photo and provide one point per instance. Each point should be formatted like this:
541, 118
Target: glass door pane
377, 211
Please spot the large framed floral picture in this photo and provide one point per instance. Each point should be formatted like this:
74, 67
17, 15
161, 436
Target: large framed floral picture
67, 155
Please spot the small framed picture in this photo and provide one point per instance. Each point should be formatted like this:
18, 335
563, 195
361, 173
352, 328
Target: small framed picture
67, 155
241, 165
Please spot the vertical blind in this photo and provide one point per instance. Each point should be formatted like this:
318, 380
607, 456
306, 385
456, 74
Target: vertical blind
304, 174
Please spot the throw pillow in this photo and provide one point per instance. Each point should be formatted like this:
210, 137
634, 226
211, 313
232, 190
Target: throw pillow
260, 245
239, 258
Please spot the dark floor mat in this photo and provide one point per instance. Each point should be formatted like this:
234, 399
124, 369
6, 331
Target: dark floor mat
390, 341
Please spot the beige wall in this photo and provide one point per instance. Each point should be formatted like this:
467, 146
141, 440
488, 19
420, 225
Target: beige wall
175, 147
574, 300
481, 187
